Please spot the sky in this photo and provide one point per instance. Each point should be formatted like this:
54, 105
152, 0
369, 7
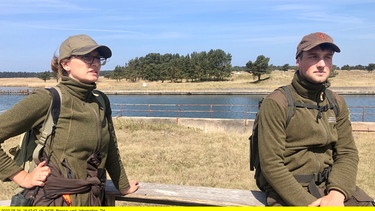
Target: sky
32, 30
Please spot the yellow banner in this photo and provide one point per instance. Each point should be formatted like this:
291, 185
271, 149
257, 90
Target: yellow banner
174, 208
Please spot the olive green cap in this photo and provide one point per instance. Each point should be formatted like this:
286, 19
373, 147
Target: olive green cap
81, 45
312, 40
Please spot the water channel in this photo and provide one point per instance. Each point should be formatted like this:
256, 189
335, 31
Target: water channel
362, 107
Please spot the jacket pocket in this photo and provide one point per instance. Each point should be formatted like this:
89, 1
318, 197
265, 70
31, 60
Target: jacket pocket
360, 198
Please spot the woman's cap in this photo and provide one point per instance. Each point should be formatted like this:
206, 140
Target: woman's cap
81, 45
314, 39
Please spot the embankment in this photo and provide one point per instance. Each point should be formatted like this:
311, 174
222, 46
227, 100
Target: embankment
229, 125
248, 91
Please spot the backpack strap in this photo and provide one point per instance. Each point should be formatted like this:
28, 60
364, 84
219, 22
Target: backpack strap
253, 141
50, 122
100, 99
291, 107
332, 101
103, 104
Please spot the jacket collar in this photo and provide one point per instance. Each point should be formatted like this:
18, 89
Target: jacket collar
307, 89
80, 90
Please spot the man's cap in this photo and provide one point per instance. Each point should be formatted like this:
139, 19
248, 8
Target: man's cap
314, 39
81, 45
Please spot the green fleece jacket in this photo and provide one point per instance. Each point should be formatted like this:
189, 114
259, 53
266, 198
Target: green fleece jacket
307, 145
80, 124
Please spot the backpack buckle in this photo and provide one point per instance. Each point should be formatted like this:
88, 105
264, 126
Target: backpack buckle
322, 176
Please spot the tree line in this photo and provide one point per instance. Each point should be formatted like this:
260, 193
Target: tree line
214, 65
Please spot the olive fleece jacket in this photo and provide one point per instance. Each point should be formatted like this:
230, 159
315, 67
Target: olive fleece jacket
79, 126
308, 145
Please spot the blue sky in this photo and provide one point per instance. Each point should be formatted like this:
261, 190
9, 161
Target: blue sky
32, 30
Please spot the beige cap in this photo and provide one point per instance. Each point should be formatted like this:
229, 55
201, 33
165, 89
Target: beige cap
81, 45
314, 39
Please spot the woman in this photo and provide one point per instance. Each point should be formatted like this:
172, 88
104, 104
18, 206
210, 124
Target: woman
84, 133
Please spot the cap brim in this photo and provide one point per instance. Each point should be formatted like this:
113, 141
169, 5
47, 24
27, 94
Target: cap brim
103, 50
334, 47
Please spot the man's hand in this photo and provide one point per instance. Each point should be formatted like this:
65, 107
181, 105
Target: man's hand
334, 198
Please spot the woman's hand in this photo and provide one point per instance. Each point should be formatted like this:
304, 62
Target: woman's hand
36, 177
133, 187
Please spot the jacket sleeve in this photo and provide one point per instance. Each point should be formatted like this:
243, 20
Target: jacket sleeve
114, 165
344, 169
272, 136
26, 114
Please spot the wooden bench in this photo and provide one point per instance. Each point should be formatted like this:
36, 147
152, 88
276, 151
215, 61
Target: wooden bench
180, 195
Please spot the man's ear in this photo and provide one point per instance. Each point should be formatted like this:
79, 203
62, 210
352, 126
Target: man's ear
297, 61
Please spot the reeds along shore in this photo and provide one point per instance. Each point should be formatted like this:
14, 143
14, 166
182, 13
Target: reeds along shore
15, 92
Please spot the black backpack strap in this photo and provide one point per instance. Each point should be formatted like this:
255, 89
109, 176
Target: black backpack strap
50, 122
254, 156
103, 104
56, 102
304, 105
332, 101
291, 107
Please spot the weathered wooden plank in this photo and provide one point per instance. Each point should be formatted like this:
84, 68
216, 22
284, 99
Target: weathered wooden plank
181, 195
188, 195
4, 202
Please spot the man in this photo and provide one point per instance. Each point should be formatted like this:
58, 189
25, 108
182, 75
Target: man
311, 160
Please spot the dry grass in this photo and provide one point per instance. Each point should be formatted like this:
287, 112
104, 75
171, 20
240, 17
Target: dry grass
171, 154
182, 155
243, 80
366, 169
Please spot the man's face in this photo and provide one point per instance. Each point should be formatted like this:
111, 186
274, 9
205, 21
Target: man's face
315, 64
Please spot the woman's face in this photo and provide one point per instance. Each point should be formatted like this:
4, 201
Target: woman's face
85, 68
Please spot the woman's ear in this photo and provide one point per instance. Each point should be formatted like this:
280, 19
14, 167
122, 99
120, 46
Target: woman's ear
65, 65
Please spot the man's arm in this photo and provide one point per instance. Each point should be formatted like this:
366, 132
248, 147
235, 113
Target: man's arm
344, 169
